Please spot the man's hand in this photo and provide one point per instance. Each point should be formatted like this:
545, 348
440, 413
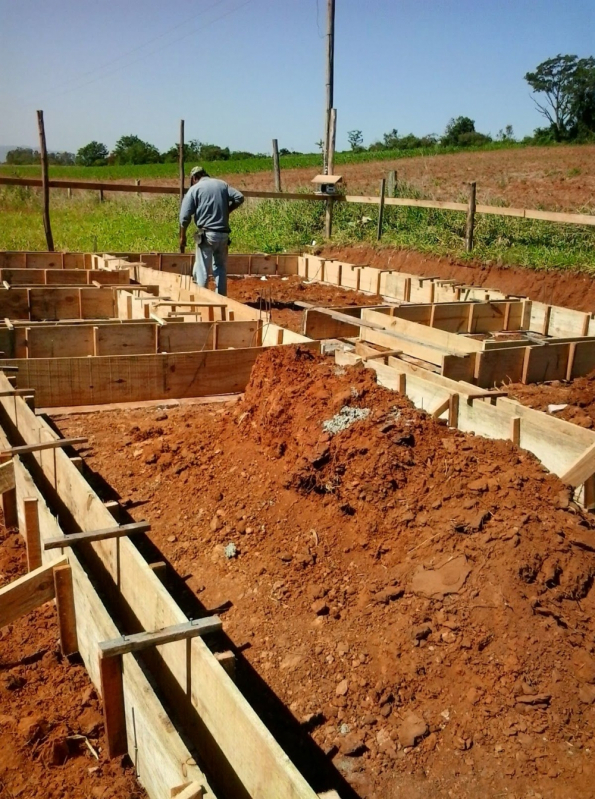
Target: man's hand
182, 240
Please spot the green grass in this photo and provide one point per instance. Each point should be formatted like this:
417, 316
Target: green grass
236, 167
133, 224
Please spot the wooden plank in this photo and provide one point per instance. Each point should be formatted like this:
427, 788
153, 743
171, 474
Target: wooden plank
185, 337
582, 468
114, 715
9, 497
59, 442
56, 341
27, 593
168, 635
544, 363
7, 482
137, 339
61, 542
65, 609
493, 367
428, 335
32, 533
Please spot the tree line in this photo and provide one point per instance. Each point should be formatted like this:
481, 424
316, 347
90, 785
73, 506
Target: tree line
563, 91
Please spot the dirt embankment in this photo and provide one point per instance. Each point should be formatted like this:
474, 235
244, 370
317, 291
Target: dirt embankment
50, 715
420, 599
555, 288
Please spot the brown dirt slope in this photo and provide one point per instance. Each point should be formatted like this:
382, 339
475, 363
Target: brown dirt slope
47, 709
421, 599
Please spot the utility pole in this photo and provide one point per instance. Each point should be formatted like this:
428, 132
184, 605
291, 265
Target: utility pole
330, 78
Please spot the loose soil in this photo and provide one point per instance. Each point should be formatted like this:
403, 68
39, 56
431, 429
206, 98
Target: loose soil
568, 289
278, 294
420, 599
48, 707
550, 178
578, 397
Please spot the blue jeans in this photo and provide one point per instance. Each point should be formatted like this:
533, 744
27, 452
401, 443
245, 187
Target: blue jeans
211, 255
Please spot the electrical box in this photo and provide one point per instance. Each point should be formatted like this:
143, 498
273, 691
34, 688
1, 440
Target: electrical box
327, 184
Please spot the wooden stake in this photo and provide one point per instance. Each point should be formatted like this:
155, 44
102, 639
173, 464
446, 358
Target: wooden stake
381, 209
100, 195
9, 500
65, 609
470, 217
392, 183
137, 183
32, 533
45, 188
276, 167
181, 160
515, 430
112, 693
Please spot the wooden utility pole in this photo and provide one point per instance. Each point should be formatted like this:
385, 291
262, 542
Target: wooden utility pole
45, 189
381, 209
181, 160
332, 141
276, 167
330, 78
470, 217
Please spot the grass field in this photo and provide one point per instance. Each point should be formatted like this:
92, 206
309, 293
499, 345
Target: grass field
236, 167
132, 224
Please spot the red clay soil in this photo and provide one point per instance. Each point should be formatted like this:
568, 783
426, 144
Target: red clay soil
48, 707
577, 395
421, 599
555, 288
552, 178
280, 293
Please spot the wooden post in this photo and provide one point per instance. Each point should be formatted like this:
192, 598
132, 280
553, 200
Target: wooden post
45, 189
391, 183
9, 501
328, 220
32, 534
181, 160
276, 167
330, 77
69, 193
100, 195
112, 693
381, 209
65, 609
137, 182
332, 141
470, 217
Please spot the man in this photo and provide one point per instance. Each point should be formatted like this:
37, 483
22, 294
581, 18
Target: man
210, 201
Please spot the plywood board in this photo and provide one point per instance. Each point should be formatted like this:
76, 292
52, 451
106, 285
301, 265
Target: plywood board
137, 339
58, 342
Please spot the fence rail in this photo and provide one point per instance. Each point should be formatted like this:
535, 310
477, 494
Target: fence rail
523, 213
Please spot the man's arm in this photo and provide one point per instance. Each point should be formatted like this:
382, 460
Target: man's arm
236, 198
187, 208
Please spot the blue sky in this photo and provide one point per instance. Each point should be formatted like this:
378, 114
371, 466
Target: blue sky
241, 72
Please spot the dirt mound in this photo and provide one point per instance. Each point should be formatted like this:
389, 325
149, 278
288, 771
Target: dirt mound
420, 598
575, 399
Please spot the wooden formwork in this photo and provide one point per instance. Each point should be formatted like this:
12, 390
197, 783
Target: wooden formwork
213, 723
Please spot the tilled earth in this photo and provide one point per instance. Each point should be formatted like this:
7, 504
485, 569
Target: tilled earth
420, 599
51, 720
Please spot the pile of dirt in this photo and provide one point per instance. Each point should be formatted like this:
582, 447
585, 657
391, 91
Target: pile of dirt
52, 741
279, 294
420, 598
573, 401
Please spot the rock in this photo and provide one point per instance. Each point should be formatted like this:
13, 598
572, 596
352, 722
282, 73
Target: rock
421, 632
534, 699
584, 666
388, 595
586, 694
33, 728
90, 723
352, 745
436, 583
342, 688
385, 743
320, 607
412, 729
478, 485
216, 523
286, 557
316, 591
161, 417
172, 539
231, 551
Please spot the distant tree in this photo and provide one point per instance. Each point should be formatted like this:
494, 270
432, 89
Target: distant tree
172, 155
568, 85
132, 150
212, 152
21, 156
62, 158
390, 140
92, 154
356, 140
455, 128
320, 144
506, 135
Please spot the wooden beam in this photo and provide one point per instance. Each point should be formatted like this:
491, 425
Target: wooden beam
384, 354
65, 609
581, 469
27, 593
189, 790
60, 442
9, 499
96, 535
177, 632
32, 533
114, 715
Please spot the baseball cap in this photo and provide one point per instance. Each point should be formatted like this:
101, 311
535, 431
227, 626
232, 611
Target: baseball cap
198, 171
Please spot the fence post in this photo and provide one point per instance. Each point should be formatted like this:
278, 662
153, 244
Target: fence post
381, 209
44, 183
137, 182
100, 195
470, 217
328, 220
391, 183
276, 167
